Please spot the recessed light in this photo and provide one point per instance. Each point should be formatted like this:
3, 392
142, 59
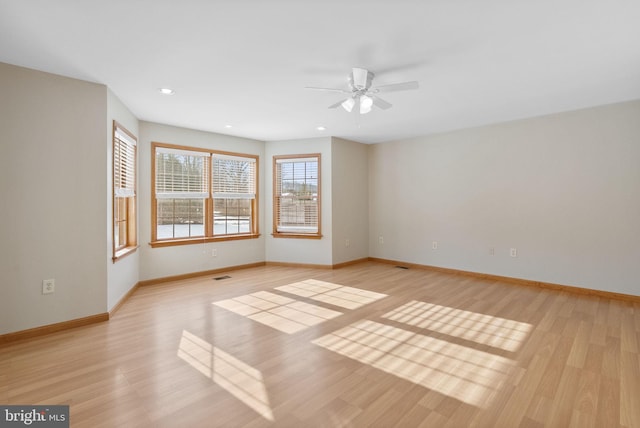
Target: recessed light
166, 91
321, 128
228, 126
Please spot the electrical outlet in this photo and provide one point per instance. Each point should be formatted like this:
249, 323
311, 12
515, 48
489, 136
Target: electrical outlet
347, 242
380, 240
214, 252
48, 286
513, 252
434, 245
492, 251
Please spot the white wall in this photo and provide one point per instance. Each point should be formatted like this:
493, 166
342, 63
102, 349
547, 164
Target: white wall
562, 189
350, 200
294, 250
122, 275
53, 176
184, 259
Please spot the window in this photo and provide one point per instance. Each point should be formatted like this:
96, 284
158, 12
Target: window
234, 193
125, 238
202, 195
181, 193
296, 196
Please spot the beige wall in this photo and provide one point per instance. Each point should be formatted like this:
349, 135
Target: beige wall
183, 259
291, 250
564, 190
350, 200
53, 179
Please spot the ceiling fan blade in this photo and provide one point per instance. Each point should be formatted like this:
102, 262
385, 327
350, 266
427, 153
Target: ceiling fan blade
338, 104
328, 89
400, 67
404, 86
379, 102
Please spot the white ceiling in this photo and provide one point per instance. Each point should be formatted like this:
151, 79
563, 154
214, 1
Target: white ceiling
245, 63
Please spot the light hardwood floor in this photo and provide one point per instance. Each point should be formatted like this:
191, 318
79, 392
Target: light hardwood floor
364, 345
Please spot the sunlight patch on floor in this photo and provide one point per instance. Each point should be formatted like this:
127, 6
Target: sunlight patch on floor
476, 327
236, 377
279, 312
334, 294
457, 371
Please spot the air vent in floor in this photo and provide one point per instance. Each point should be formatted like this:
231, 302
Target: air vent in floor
221, 277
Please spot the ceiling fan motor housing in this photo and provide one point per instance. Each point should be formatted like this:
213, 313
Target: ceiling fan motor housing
360, 79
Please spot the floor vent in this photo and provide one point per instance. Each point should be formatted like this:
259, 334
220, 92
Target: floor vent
221, 277
402, 267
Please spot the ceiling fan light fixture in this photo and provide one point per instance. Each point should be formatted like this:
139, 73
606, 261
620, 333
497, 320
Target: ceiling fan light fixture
366, 103
362, 95
348, 104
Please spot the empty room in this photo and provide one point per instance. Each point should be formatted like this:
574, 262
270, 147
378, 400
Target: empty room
320, 214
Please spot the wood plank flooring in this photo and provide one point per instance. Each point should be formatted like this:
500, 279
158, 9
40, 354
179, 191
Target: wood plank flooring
364, 345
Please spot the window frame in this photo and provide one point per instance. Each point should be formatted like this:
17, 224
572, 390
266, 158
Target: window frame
296, 234
129, 203
208, 200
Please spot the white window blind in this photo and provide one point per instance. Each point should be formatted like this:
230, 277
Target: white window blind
181, 174
233, 177
297, 195
124, 164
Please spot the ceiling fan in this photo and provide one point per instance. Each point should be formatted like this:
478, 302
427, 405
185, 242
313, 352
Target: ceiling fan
362, 97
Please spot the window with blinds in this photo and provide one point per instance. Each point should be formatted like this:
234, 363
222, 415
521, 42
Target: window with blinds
297, 196
234, 194
201, 194
181, 190
124, 191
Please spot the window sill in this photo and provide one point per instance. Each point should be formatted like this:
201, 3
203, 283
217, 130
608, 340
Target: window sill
297, 235
200, 240
120, 254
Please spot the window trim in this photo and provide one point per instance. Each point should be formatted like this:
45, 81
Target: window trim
296, 235
131, 244
208, 205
